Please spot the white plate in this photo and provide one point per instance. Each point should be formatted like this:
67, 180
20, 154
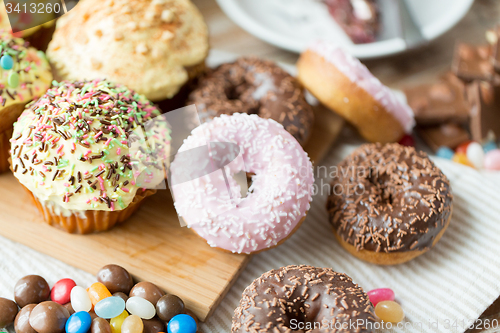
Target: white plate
293, 24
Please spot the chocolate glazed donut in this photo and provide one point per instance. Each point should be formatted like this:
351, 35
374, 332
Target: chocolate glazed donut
389, 203
303, 299
254, 86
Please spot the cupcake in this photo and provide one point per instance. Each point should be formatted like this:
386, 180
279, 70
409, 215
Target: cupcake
24, 75
71, 151
152, 47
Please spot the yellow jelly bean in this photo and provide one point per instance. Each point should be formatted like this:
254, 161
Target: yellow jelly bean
132, 324
117, 322
389, 311
98, 292
462, 159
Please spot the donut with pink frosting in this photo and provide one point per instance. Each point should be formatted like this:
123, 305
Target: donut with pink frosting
276, 202
346, 86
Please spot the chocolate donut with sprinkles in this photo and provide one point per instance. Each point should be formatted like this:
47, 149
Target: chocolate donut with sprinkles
304, 299
71, 150
389, 203
255, 86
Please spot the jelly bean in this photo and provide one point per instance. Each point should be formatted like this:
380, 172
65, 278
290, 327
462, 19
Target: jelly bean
117, 322
475, 154
407, 140
97, 292
13, 80
79, 322
492, 160
109, 307
489, 146
182, 324
462, 159
462, 148
6, 62
141, 307
379, 295
132, 324
389, 311
61, 291
80, 300
445, 152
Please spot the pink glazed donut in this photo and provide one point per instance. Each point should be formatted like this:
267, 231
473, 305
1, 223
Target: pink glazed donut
277, 201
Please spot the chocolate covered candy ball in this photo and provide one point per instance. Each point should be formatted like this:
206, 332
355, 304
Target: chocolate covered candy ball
115, 278
8, 312
31, 289
154, 325
168, 307
49, 317
100, 325
122, 296
69, 307
22, 322
147, 290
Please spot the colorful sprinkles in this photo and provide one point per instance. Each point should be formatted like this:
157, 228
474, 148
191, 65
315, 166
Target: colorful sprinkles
73, 144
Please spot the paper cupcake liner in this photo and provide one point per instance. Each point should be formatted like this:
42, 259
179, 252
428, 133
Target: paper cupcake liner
5, 149
8, 116
90, 221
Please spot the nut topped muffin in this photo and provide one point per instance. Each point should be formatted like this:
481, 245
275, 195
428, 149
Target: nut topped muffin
150, 46
24, 75
70, 149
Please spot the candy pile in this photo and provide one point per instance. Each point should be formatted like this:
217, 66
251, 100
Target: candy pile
111, 305
463, 105
385, 308
473, 154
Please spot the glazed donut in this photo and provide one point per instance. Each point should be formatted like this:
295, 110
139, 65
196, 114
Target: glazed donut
276, 202
304, 299
389, 203
346, 86
254, 86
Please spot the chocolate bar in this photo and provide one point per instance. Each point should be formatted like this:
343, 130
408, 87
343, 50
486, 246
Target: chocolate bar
438, 103
484, 98
448, 135
493, 37
473, 62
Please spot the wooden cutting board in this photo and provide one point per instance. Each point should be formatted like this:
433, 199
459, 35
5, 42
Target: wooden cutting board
151, 245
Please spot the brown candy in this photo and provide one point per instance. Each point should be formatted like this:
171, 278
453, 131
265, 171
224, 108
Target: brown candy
8, 312
147, 290
49, 317
440, 102
168, 307
493, 37
484, 98
154, 325
122, 296
448, 135
192, 315
22, 322
100, 325
115, 278
69, 307
31, 289
473, 62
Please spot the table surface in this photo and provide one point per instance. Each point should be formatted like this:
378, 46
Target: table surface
414, 67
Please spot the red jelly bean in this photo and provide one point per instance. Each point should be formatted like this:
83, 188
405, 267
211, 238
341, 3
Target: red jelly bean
407, 140
61, 292
379, 295
462, 148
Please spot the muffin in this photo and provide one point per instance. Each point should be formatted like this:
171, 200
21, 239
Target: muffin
24, 75
70, 150
151, 47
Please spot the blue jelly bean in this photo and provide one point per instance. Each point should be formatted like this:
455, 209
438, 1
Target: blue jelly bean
182, 323
79, 322
110, 307
445, 152
6, 62
489, 146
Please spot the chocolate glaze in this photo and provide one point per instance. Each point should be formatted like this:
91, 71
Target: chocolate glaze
281, 298
254, 86
401, 204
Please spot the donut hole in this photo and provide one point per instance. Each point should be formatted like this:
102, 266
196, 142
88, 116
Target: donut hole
383, 187
244, 179
232, 92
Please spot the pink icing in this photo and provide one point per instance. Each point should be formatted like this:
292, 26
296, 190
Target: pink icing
360, 75
278, 199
